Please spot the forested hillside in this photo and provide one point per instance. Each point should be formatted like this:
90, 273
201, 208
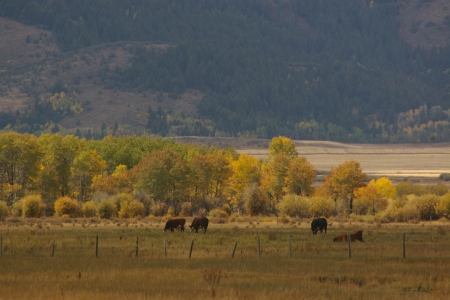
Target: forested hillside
336, 70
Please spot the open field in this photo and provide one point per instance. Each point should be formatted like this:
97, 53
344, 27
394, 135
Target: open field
319, 268
422, 162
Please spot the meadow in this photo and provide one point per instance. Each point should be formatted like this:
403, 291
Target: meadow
31, 267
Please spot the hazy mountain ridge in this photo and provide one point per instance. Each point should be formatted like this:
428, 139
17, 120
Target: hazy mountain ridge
106, 82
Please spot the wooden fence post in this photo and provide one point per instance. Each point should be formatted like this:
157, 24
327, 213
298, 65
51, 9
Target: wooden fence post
259, 247
190, 251
137, 246
349, 241
404, 245
234, 249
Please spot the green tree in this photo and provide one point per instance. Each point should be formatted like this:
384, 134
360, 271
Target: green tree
84, 168
162, 174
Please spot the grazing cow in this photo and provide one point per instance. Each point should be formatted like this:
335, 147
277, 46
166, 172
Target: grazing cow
319, 224
199, 222
175, 223
353, 237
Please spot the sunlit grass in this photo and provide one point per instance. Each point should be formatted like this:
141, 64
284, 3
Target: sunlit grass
319, 269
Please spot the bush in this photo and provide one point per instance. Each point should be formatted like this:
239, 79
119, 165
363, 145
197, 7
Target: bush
426, 205
256, 201
106, 209
159, 209
32, 206
218, 213
89, 209
17, 208
443, 207
294, 206
131, 209
444, 176
400, 210
321, 206
186, 209
67, 206
4, 210
226, 208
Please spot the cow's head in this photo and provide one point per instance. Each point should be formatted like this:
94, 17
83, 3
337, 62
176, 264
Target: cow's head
314, 230
192, 227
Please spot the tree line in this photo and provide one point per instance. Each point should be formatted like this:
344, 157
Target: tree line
138, 176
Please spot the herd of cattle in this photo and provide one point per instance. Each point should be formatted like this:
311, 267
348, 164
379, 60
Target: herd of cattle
316, 225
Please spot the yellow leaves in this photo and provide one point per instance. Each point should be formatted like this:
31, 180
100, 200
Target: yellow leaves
384, 187
246, 171
345, 179
282, 144
300, 177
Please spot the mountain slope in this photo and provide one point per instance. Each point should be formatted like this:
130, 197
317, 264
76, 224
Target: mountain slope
305, 69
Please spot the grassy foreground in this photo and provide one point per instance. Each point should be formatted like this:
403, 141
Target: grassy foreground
319, 268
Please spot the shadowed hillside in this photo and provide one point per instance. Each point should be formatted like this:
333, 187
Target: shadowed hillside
345, 71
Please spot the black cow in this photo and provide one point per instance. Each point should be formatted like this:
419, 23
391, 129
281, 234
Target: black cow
175, 223
199, 222
319, 224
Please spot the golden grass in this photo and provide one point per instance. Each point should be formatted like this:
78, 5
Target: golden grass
319, 269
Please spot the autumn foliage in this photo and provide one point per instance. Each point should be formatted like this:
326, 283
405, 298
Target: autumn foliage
131, 177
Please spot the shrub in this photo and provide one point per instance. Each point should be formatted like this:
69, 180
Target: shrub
443, 207
444, 176
255, 200
159, 209
186, 209
67, 206
226, 208
171, 212
218, 213
17, 208
321, 206
4, 210
294, 206
426, 205
400, 210
106, 209
32, 206
131, 209
89, 209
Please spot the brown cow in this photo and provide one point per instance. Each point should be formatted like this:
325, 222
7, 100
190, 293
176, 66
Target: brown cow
175, 223
199, 222
353, 237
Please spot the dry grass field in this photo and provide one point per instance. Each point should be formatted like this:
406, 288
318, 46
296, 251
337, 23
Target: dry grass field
420, 162
318, 269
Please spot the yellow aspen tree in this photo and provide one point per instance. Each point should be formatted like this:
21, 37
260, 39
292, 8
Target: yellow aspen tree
300, 176
344, 180
282, 144
384, 187
246, 171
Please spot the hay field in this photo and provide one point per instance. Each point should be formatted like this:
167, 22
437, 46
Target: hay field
318, 269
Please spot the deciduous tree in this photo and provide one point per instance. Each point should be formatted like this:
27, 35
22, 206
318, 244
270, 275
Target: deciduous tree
344, 180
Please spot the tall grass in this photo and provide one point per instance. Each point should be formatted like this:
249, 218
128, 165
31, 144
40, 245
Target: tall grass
319, 269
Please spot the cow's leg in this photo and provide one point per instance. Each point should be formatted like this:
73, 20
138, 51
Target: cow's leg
182, 228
